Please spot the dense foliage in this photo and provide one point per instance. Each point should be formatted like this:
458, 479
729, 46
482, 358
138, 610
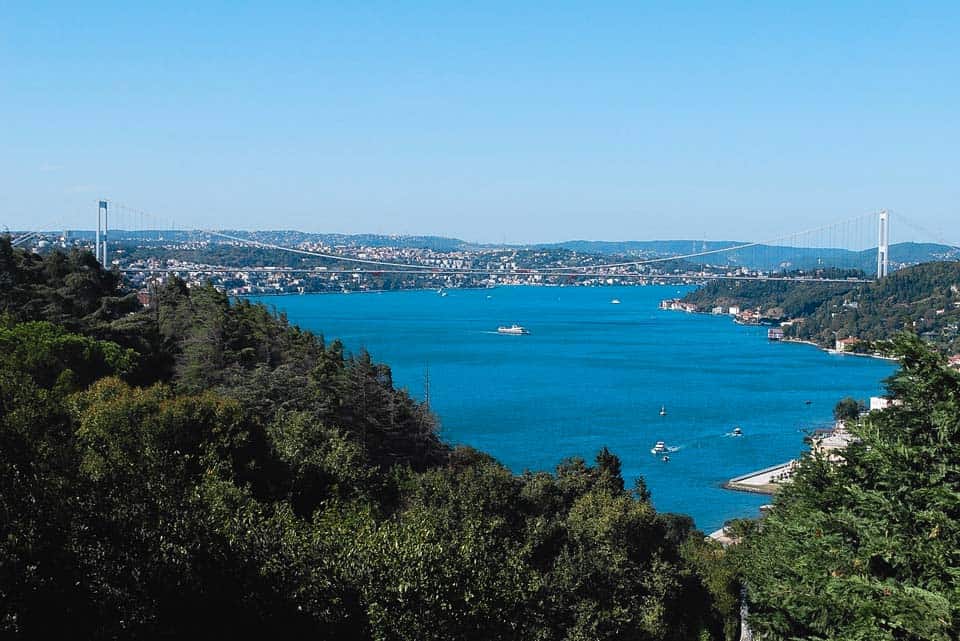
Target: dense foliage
202, 467
870, 548
775, 298
924, 299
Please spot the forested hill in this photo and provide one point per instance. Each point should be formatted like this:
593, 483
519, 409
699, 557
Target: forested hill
924, 299
205, 468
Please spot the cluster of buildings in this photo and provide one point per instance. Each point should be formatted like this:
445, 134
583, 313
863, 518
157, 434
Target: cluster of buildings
677, 305
746, 316
372, 268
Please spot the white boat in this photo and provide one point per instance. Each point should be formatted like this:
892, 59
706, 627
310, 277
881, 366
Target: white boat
659, 448
513, 330
737, 431
615, 301
663, 410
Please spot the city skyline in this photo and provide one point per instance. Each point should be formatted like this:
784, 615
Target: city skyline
492, 125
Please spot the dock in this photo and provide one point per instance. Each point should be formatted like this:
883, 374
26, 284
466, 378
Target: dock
765, 481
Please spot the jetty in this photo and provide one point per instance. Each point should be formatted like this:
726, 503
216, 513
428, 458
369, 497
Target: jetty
765, 481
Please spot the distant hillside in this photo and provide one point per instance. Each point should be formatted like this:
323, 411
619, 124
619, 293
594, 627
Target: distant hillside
924, 298
286, 237
766, 257
646, 248
776, 299
436, 243
762, 257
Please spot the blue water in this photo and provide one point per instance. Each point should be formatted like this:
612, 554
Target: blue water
592, 374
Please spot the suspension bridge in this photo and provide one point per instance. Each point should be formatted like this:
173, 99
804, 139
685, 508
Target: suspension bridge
814, 254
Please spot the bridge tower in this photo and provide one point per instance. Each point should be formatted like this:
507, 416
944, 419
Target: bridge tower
100, 251
883, 245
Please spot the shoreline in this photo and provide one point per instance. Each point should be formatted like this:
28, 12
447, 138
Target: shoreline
834, 352
428, 289
798, 341
363, 291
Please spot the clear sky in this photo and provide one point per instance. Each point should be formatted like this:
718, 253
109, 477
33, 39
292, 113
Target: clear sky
485, 121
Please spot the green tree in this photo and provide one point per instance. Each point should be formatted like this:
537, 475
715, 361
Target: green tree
848, 409
870, 549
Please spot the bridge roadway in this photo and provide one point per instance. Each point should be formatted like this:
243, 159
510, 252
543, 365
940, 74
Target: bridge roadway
473, 272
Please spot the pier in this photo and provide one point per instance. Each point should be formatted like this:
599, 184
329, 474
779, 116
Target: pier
765, 481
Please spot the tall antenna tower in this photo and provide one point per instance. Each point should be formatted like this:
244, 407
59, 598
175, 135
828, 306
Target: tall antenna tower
883, 245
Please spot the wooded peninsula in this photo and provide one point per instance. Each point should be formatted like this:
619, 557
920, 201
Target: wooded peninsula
922, 299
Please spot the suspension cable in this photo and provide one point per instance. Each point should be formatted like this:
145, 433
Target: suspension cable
347, 259
712, 251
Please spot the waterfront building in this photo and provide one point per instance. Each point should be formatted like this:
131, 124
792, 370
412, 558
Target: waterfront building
846, 344
879, 403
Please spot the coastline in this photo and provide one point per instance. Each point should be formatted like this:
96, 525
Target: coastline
498, 285
360, 291
799, 341
836, 352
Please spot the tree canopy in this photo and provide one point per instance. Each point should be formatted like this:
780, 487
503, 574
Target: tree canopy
870, 548
204, 467
924, 299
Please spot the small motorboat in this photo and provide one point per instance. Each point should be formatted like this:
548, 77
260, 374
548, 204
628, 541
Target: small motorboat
513, 330
663, 410
615, 301
659, 448
737, 431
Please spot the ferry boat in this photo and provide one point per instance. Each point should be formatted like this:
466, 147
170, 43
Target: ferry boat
659, 448
513, 330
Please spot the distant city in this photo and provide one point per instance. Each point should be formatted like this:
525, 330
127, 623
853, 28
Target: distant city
286, 262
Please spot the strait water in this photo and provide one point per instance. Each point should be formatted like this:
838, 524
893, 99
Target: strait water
592, 374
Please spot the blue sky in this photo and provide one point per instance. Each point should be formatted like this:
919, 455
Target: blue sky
489, 121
